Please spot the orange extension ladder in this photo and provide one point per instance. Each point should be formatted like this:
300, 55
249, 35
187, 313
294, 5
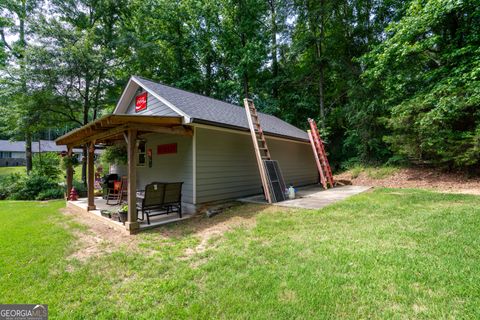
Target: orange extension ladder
326, 177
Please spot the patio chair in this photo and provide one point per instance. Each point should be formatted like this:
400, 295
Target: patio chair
160, 198
124, 190
115, 194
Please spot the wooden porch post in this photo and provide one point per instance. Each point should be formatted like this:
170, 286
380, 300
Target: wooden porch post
69, 171
91, 175
132, 224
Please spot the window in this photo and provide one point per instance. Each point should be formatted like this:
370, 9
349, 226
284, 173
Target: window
141, 153
5, 154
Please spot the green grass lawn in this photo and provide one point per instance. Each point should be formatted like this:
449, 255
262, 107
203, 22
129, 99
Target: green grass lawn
390, 253
4, 171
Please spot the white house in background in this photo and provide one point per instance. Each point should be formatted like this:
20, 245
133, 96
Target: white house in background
12, 153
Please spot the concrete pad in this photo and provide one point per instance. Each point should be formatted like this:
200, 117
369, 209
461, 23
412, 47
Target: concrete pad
314, 197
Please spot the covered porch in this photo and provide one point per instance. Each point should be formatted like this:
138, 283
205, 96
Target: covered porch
101, 204
128, 129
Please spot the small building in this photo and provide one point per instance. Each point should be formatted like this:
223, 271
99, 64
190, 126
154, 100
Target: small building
12, 153
176, 135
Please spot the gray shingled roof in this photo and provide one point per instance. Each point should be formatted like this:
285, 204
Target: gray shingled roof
42, 145
12, 146
204, 109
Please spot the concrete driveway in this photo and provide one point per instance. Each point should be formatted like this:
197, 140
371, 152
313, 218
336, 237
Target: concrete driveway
314, 197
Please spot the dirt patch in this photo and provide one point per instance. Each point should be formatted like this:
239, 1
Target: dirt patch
207, 229
98, 239
423, 178
216, 230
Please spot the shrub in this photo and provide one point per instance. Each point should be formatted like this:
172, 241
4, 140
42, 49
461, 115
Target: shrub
10, 184
31, 186
47, 165
80, 187
55, 193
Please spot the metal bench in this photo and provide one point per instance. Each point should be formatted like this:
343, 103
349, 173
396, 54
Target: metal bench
160, 198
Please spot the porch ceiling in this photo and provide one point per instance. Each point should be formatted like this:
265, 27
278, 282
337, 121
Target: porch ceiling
112, 127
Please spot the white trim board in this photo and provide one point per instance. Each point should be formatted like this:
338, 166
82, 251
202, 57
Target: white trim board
122, 104
163, 100
194, 161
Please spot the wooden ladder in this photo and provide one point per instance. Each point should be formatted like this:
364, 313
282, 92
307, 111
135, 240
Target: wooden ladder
259, 144
321, 159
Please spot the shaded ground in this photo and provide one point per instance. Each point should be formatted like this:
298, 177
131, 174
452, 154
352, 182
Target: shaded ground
416, 178
100, 238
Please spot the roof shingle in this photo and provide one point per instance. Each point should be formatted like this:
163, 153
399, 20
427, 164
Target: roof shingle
204, 109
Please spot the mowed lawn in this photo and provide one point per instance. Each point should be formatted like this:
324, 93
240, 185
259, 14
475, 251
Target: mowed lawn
4, 171
390, 253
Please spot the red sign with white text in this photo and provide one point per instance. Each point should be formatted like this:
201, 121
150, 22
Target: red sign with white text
141, 102
167, 148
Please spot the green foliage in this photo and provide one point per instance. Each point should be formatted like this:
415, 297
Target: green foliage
47, 164
69, 161
429, 71
49, 194
80, 187
10, 184
387, 80
115, 154
41, 184
31, 187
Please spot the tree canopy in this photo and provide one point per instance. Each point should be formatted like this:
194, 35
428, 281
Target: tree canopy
387, 80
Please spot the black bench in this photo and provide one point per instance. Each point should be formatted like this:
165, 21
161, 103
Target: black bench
160, 198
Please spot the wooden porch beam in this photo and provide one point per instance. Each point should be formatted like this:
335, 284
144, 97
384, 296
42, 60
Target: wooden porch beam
69, 170
132, 224
91, 176
177, 130
103, 135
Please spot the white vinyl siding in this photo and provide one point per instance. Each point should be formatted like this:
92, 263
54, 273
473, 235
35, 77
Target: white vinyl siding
154, 107
175, 167
227, 168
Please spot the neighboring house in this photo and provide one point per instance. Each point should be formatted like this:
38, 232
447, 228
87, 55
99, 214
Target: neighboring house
175, 135
12, 153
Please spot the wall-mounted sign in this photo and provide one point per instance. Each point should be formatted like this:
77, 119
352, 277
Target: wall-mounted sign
149, 156
167, 148
141, 102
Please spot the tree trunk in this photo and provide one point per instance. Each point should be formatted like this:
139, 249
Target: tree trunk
274, 52
28, 152
86, 109
23, 44
246, 88
320, 64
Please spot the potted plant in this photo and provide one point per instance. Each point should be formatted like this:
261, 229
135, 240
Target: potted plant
122, 213
106, 213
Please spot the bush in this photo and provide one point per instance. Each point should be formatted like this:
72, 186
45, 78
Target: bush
47, 165
31, 186
10, 184
56, 193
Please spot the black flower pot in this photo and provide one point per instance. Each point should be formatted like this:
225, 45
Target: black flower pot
122, 216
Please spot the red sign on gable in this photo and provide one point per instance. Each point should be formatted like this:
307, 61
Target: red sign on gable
141, 102
167, 148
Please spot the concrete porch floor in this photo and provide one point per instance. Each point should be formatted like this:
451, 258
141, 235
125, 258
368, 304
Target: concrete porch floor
313, 197
101, 204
